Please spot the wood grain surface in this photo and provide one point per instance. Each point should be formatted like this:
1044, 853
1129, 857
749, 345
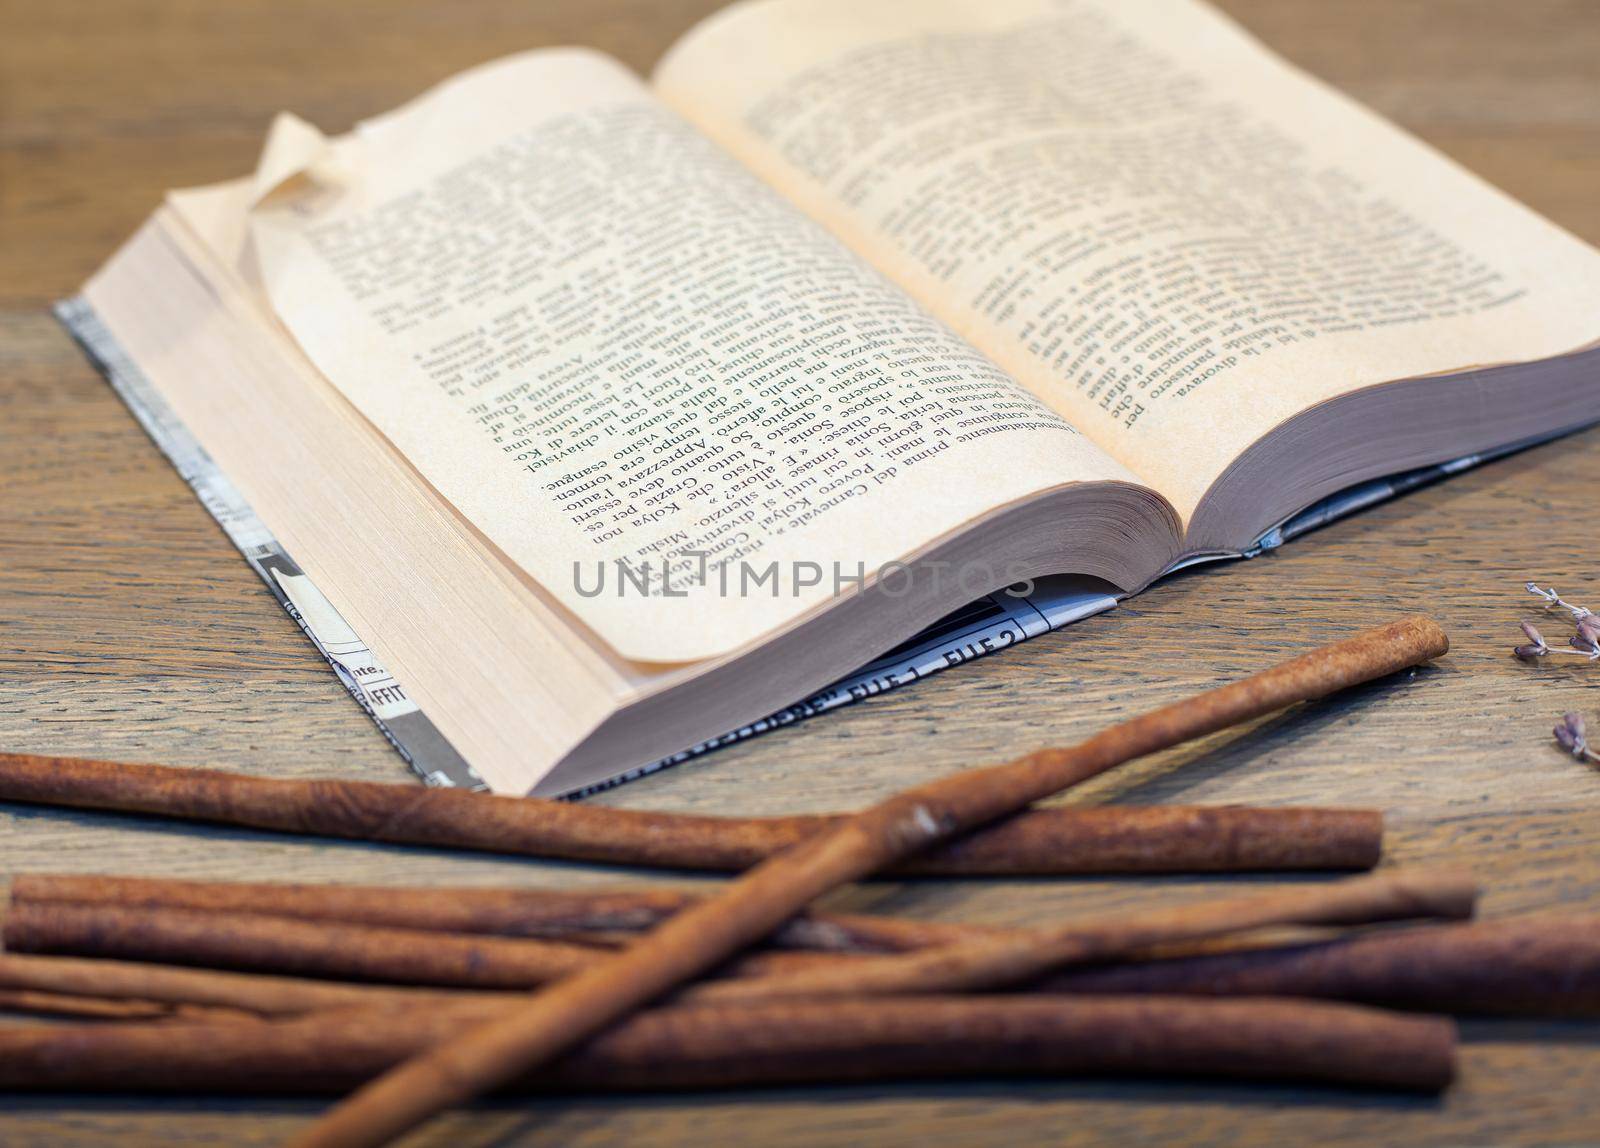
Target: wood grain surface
130, 628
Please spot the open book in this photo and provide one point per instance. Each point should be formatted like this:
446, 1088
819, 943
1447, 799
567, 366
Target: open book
618, 415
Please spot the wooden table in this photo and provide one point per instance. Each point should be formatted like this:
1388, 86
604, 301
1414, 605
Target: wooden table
130, 628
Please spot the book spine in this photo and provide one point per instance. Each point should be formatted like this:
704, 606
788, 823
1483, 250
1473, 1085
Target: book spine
373, 687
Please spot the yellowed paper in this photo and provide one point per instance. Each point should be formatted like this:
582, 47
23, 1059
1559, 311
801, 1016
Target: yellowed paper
683, 407
1170, 236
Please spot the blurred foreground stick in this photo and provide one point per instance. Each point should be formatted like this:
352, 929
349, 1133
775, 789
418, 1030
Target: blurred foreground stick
750, 1046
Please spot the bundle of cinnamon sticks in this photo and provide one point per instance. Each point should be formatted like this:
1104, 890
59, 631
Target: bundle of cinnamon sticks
332, 1003
421, 998
329, 1004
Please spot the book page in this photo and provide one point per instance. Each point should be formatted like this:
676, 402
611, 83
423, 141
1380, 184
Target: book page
683, 407
1173, 238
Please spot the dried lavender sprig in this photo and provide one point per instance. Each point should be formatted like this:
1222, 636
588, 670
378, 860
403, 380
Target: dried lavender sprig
1552, 599
1572, 736
1586, 642
1570, 733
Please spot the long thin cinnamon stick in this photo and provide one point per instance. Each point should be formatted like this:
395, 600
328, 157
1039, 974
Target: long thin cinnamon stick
1014, 956
1529, 966
808, 1042
1524, 966
39, 1003
539, 913
1038, 842
323, 948
753, 905
266, 996
105, 927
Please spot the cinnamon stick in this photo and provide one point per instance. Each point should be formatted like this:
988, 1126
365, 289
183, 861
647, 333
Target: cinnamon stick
119, 923
1112, 839
322, 948
1014, 956
751, 906
39, 1003
1532, 966
164, 985
808, 1042
540, 913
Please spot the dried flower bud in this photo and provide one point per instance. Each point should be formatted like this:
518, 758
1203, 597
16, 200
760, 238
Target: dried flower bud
1589, 629
1584, 646
1538, 647
1570, 733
